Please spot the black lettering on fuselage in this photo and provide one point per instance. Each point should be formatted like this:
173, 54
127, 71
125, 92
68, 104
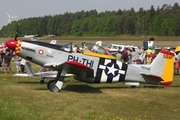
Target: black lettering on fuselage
87, 62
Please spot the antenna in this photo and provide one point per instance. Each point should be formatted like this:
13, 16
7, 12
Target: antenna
10, 17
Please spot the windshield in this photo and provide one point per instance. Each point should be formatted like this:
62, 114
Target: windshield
67, 47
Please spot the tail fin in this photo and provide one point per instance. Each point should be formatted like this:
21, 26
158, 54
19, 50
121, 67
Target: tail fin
163, 66
29, 69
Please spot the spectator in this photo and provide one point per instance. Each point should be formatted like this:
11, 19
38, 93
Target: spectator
178, 63
13, 56
148, 59
133, 54
1, 56
124, 55
119, 56
18, 65
75, 48
138, 54
7, 62
23, 61
129, 55
78, 50
175, 59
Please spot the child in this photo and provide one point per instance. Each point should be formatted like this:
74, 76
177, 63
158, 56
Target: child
18, 65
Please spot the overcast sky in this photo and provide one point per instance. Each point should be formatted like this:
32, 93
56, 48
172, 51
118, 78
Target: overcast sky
34, 8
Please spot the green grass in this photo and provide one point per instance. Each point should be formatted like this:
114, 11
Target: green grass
27, 99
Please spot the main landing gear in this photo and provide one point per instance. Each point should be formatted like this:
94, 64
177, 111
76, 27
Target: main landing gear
56, 85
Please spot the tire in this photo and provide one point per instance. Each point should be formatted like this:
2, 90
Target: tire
133, 86
53, 87
41, 81
49, 82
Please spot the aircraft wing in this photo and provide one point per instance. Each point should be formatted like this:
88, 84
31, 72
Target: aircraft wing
73, 67
77, 68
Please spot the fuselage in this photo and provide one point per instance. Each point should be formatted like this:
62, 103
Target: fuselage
92, 68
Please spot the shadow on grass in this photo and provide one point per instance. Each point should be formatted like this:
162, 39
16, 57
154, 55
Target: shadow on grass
78, 88
28, 82
82, 88
97, 89
154, 87
128, 87
92, 88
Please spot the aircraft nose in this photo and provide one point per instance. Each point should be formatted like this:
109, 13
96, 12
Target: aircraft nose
11, 44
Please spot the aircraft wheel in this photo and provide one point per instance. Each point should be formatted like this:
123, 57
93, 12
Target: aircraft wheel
48, 84
41, 81
53, 87
133, 86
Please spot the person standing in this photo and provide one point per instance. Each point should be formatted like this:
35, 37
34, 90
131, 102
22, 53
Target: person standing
133, 54
178, 63
23, 62
124, 55
1, 56
7, 62
18, 65
138, 54
119, 56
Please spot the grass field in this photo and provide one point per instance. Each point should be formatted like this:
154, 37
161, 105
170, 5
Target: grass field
27, 99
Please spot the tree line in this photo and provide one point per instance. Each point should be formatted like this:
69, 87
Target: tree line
162, 21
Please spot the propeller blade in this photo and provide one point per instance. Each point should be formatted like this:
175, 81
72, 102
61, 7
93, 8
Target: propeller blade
16, 35
16, 32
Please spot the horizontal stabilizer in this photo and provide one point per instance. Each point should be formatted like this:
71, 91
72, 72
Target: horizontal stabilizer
151, 75
22, 75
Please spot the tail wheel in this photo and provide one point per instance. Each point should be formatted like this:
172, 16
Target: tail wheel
41, 81
53, 87
133, 86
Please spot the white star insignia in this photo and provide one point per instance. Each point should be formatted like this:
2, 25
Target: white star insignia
112, 70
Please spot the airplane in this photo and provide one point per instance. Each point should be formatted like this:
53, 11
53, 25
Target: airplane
91, 67
43, 73
29, 36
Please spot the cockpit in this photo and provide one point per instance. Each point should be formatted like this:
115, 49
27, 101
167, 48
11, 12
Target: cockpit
89, 49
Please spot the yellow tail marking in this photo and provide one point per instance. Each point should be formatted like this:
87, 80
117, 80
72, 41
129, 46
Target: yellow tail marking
167, 75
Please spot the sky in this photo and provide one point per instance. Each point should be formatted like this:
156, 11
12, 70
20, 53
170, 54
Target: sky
35, 8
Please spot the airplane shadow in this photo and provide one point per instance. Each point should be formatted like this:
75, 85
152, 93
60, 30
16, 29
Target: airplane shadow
128, 87
154, 87
30, 82
87, 88
82, 89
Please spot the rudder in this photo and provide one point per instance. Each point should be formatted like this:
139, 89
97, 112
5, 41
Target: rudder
163, 66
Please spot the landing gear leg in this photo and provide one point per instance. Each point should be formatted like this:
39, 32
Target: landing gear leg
56, 85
